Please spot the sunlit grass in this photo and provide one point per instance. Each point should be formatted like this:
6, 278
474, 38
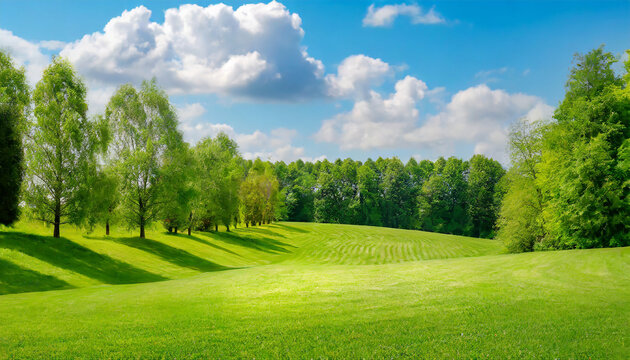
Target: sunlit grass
313, 291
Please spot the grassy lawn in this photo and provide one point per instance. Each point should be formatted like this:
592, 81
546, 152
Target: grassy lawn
307, 291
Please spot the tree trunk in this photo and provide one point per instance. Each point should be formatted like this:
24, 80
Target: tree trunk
227, 227
189, 231
259, 223
107, 227
142, 228
216, 228
57, 219
141, 208
170, 229
246, 224
175, 229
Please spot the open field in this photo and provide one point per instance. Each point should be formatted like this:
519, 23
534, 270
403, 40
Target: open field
307, 291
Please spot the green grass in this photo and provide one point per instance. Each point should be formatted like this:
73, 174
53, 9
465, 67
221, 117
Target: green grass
307, 291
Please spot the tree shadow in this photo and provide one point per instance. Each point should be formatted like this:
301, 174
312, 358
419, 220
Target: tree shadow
206, 242
263, 244
291, 228
259, 230
16, 279
173, 255
69, 255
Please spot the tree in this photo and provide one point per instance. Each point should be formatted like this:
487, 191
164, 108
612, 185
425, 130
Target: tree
328, 195
369, 212
220, 174
14, 105
104, 198
60, 148
178, 174
259, 195
443, 202
397, 204
144, 132
520, 224
582, 174
483, 203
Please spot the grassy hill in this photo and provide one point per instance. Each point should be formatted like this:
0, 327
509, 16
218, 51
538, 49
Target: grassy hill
29, 258
307, 291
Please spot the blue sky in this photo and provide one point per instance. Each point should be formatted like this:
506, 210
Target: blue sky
306, 79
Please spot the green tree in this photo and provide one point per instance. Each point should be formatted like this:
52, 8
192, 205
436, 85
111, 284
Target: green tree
60, 148
483, 203
144, 131
369, 212
520, 224
582, 172
443, 202
178, 176
14, 105
220, 173
398, 205
103, 200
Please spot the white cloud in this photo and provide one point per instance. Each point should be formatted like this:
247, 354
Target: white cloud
385, 15
188, 112
252, 52
376, 122
478, 116
25, 53
356, 75
275, 146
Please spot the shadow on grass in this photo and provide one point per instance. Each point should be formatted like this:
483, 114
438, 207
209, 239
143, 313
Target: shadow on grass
69, 255
173, 255
259, 230
263, 244
206, 242
15, 279
291, 228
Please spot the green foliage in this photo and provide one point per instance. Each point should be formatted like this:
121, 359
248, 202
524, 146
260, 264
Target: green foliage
60, 148
443, 203
219, 174
104, 199
11, 158
521, 225
484, 199
569, 182
144, 137
582, 176
14, 105
260, 195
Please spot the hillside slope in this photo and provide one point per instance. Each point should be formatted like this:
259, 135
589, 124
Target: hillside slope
564, 304
30, 260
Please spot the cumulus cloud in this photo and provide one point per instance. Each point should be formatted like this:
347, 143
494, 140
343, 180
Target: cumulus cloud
275, 146
253, 51
376, 122
188, 112
25, 53
356, 75
385, 15
478, 116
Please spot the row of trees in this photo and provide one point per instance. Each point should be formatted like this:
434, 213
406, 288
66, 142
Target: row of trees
448, 195
128, 165
569, 185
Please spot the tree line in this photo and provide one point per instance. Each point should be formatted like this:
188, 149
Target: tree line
449, 195
567, 187
129, 165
